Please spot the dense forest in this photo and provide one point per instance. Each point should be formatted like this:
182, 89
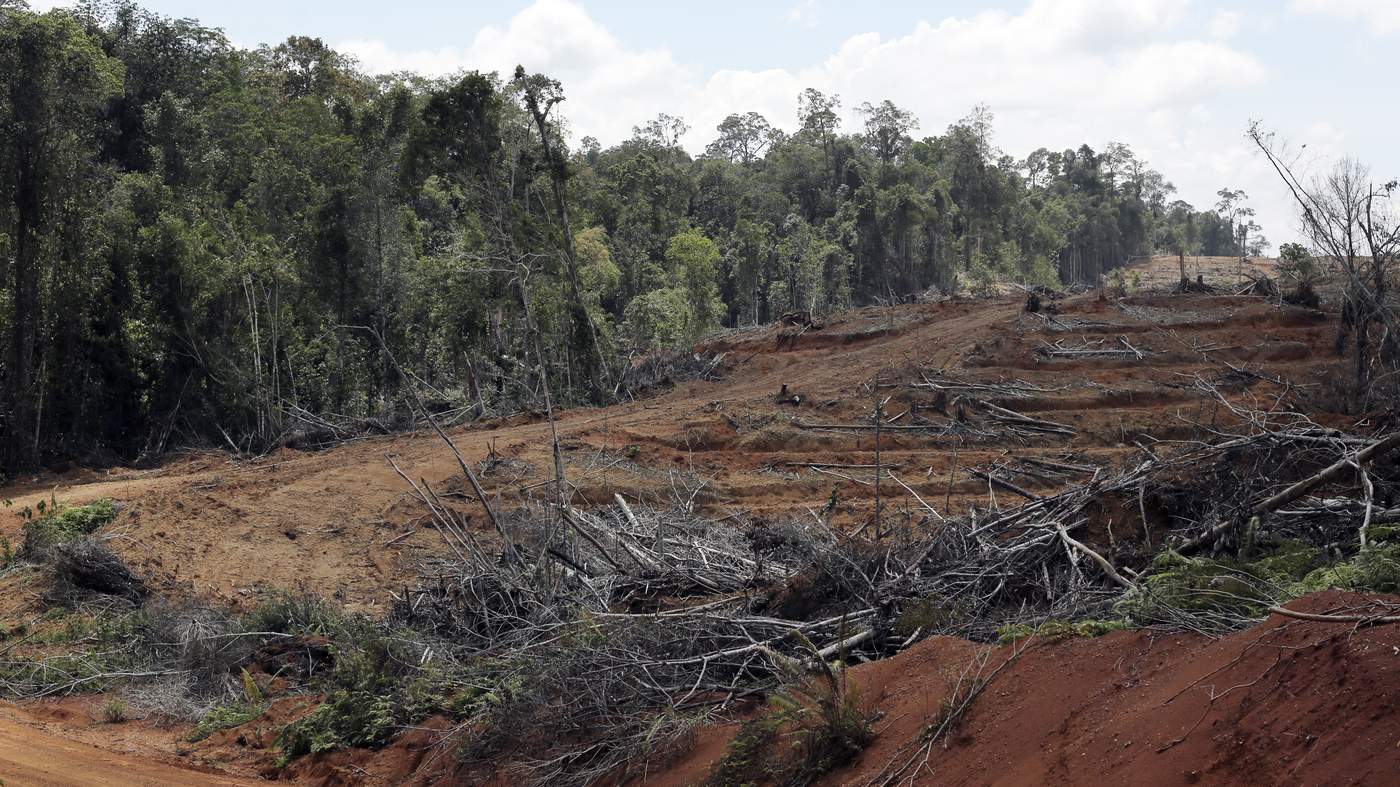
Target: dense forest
203, 244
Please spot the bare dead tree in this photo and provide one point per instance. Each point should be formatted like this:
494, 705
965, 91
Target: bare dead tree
540, 94
1355, 221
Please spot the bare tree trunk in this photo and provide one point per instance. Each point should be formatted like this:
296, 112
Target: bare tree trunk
595, 365
26, 310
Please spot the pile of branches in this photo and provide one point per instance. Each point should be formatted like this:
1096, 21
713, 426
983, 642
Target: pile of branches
1013, 422
618, 621
1092, 349
663, 369
967, 416
1275, 477
1261, 285
1003, 388
177, 661
605, 636
564, 563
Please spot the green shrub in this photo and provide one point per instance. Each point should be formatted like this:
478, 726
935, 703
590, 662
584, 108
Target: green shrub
59, 524
1242, 590
1296, 262
1054, 630
821, 717
1378, 533
226, 717
114, 712
1200, 588
375, 689
1375, 569
928, 614
297, 614
748, 758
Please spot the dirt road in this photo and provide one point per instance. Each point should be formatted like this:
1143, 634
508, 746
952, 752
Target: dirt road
30, 757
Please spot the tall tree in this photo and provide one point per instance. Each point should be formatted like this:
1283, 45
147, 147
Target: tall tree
56, 82
1233, 208
742, 138
1355, 221
887, 130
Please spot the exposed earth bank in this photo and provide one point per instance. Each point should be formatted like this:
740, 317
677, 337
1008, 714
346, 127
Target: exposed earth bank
1289, 702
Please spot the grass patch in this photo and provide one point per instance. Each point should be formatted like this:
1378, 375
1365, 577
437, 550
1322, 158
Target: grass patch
226, 717
375, 689
114, 711
1375, 569
302, 615
236, 714
748, 758
932, 613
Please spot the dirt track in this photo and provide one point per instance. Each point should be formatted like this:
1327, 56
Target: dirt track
31, 757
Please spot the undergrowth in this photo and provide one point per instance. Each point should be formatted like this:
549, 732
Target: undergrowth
52, 524
375, 689
814, 725
1229, 593
1055, 630
234, 714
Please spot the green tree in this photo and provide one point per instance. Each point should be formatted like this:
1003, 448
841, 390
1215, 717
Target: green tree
742, 138
56, 82
1296, 262
692, 262
887, 130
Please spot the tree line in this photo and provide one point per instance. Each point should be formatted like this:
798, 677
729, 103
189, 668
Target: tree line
207, 244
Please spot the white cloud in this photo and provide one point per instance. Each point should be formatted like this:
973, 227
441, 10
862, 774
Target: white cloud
803, 12
1064, 57
1225, 24
1057, 74
609, 87
1382, 16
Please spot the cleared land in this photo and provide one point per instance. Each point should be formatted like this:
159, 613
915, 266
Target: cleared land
787, 431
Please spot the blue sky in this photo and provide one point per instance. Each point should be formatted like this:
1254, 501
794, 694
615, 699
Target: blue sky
1177, 80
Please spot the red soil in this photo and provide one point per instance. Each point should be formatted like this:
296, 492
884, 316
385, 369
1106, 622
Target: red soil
1288, 703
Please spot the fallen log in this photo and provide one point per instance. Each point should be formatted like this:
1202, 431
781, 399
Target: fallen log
1004, 484
1369, 620
1096, 557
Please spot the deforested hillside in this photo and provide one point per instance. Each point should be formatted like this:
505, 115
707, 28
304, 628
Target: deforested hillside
432, 404
919, 482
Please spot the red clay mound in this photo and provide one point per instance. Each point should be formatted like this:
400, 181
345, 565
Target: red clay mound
1288, 702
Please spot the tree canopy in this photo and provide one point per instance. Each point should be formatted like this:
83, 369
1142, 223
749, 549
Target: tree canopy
208, 244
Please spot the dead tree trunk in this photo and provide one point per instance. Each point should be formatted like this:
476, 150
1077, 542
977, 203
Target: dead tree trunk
541, 94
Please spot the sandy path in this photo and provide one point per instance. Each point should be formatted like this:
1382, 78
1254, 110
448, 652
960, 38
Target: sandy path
32, 757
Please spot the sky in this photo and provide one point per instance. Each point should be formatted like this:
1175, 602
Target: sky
1178, 81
